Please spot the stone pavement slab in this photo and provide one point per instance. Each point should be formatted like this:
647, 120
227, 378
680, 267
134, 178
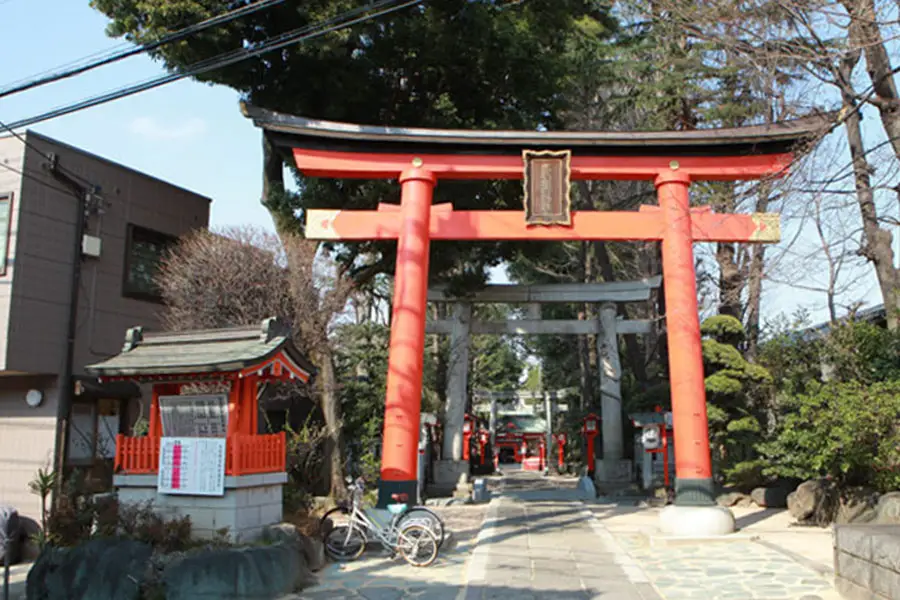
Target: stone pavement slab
377, 577
738, 570
540, 542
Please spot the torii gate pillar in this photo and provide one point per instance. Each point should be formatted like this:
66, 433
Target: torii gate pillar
403, 404
693, 486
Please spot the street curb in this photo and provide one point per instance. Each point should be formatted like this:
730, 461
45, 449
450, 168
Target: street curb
476, 570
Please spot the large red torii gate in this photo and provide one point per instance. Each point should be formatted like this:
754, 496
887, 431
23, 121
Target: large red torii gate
418, 158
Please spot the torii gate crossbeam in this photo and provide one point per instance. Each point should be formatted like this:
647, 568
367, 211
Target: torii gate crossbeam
419, 158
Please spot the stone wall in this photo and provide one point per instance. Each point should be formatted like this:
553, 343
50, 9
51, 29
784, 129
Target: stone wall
250, 503
867, 561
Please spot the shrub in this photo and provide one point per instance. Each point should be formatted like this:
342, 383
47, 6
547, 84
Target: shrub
849, 431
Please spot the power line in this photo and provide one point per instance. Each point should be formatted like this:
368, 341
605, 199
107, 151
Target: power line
28, 144
223, 60
36, 179
130, 51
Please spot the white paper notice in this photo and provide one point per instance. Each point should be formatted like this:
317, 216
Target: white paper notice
192, 466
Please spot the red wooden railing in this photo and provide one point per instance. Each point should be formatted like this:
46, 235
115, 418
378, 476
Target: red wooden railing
245, 455
135, 455
249, 454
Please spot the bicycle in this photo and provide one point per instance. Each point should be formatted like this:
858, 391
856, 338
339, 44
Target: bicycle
416, 543
412, 515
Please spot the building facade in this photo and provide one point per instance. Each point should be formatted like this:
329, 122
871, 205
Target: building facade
132, 219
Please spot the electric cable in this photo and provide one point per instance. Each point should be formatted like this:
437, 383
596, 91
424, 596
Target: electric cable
129, 51
298, 35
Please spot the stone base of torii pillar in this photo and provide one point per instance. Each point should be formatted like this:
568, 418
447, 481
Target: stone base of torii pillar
696, 521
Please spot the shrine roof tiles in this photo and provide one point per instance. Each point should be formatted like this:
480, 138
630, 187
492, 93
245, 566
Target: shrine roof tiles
290, 131
203, 351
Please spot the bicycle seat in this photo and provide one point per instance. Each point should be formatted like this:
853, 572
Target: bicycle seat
396, 509
399, 497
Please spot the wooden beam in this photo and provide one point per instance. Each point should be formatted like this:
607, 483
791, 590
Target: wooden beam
378, 165
384, 224
615, 291
537, 327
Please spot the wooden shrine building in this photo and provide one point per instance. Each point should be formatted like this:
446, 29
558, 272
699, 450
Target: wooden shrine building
203, 453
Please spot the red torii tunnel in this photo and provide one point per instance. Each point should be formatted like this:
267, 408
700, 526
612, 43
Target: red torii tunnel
419, 158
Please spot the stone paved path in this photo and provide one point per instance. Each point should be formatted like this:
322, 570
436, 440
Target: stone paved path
540, 540
542, 543
738, 570
375, 577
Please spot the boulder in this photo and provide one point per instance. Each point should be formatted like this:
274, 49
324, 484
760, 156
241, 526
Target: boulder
887, 510
733, 499
814, 501
259, 572
10, 535
856, 505
311, 550
774, 496
96, 570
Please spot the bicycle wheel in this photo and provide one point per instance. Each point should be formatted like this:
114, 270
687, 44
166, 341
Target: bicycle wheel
345, 544
338, 516
417, 545
419, 515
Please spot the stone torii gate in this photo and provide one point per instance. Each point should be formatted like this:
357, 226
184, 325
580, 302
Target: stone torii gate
418, 158
607, 327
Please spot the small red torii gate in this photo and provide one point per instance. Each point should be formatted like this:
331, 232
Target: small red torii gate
418, 158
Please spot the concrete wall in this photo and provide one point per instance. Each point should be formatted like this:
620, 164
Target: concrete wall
867, 561
26, 440
44, 254
250, 503
12, 156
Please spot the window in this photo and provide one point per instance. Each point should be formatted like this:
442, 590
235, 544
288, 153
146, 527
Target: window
92, 431
5, 222
144, 251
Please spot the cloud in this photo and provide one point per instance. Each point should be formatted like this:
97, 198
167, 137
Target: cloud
150, 128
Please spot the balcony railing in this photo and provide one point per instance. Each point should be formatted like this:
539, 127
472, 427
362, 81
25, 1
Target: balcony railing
245, 455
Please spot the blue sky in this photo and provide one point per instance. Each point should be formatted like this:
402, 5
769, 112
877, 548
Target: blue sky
188, 133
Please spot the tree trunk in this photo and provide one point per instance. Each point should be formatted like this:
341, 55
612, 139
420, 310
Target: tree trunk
274, 197
584, 341
865, 35
755, 279
331, 409
877, 247
731, 280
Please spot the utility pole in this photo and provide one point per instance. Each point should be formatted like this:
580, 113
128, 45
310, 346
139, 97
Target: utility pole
84, 203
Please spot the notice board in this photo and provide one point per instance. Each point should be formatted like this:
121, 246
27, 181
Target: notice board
191, 466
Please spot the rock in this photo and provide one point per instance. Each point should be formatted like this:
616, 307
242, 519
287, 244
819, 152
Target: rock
259, 572
311, 550
733, 499
586, 487
95, 570
888, 509
10, 535
771, 497
856, 505
814, 501
480, 492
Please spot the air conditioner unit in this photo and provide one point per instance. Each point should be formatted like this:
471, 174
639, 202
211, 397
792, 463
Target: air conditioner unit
90, 246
